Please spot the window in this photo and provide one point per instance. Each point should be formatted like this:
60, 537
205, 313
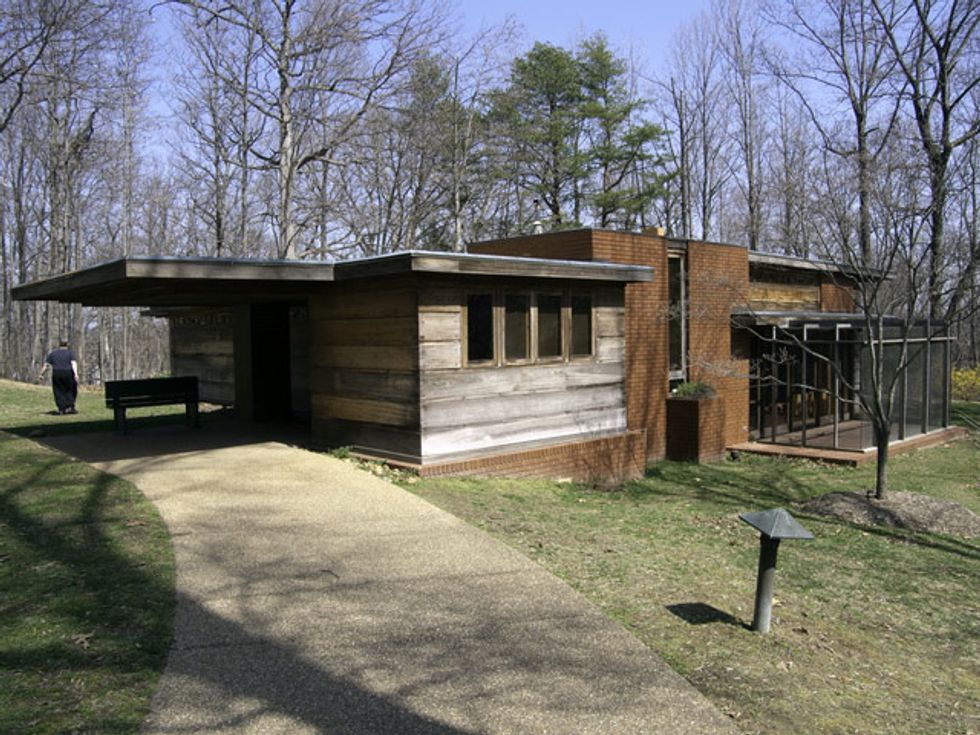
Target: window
581, 325
479, 327
517, 327
549, 326
677, 317
510, 326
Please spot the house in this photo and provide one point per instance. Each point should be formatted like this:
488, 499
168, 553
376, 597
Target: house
546, 354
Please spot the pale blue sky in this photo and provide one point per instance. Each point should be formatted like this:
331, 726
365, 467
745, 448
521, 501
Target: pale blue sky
644, 27
642, 30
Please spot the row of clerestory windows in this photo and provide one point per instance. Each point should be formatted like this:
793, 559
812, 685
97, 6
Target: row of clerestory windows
509, 327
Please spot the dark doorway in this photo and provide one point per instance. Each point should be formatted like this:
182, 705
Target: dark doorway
270, 362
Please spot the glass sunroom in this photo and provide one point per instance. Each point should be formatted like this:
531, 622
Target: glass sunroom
811, 377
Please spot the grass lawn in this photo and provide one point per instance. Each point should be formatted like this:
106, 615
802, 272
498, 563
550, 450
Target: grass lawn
86, 580
874, 630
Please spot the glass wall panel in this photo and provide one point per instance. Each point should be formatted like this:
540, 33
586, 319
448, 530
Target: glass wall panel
937, 375
517, 326
892, 385
675, 323
479, 327
549, 325
581, 325
915, 377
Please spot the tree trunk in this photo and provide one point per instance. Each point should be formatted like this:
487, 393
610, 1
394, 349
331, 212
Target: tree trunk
882, 436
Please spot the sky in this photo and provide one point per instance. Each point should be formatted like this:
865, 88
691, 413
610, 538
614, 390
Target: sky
646, 27
641, 30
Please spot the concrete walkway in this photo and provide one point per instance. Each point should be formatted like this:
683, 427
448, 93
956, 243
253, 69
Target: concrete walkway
316, 598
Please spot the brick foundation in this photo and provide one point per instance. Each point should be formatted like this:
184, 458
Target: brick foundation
610, 460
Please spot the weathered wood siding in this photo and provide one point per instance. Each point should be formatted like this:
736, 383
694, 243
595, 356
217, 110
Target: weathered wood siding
473, 409
202, 344
784, 297
364, 367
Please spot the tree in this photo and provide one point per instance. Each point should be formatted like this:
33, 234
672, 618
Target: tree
934, 45
842, 61
740, 34
341, 56
539, 115
696, 100
622, 154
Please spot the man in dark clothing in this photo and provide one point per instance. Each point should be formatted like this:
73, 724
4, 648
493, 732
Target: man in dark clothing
64, 377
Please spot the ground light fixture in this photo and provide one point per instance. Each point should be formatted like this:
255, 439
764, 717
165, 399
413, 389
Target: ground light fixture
773, 526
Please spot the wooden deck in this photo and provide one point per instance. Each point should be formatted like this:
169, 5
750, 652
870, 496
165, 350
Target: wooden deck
851, 458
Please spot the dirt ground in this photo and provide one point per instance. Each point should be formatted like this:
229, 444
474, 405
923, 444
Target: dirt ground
899, 509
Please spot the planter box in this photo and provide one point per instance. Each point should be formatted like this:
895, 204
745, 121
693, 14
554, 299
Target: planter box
695, 429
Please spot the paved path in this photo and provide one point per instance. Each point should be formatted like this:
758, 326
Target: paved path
316, 598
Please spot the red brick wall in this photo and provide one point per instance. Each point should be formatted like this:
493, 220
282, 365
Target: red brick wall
567, 245
718, 278
697, 429
609, 460
646, 333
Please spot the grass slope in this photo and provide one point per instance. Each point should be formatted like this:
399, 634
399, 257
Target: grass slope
86, 582
875, 630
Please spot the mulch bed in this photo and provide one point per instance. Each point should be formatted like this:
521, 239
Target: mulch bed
910, 511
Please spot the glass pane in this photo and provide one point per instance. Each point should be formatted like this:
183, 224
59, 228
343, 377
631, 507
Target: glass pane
479, 327
581, 325
937, 377
915, 377
675, 313
549, 325
517, 326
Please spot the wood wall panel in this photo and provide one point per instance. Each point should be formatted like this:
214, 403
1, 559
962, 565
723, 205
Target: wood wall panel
783, 297
477, 409
364, 367
202, 344
569, 424
479, 383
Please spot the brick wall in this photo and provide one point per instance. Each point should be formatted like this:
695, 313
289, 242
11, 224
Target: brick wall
566, 245
609, 460
718, 278
646, 333
697, 429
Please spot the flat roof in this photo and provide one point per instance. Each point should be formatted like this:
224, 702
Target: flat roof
793, 319
175, 281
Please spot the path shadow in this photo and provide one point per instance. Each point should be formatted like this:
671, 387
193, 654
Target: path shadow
701, 613
308, 694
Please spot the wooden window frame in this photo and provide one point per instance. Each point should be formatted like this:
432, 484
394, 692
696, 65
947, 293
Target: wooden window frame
591, 355
498, 312
465, 341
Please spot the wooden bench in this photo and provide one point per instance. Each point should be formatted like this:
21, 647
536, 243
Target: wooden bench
123, 394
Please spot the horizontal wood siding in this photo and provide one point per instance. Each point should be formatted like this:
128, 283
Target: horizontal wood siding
469, 410
364, 367
783, 297
202, 344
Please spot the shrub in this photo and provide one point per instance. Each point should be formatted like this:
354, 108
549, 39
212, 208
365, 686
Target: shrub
966, 384
693, 390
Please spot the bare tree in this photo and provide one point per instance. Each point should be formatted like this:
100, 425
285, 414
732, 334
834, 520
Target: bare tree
934, 45
347, 52
740, 38
841, 63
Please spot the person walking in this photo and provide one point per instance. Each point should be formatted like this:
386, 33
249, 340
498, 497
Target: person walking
64, 377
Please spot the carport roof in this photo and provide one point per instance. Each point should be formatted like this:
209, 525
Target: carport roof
171, 281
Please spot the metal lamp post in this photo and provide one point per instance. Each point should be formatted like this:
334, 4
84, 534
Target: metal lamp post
773, 526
